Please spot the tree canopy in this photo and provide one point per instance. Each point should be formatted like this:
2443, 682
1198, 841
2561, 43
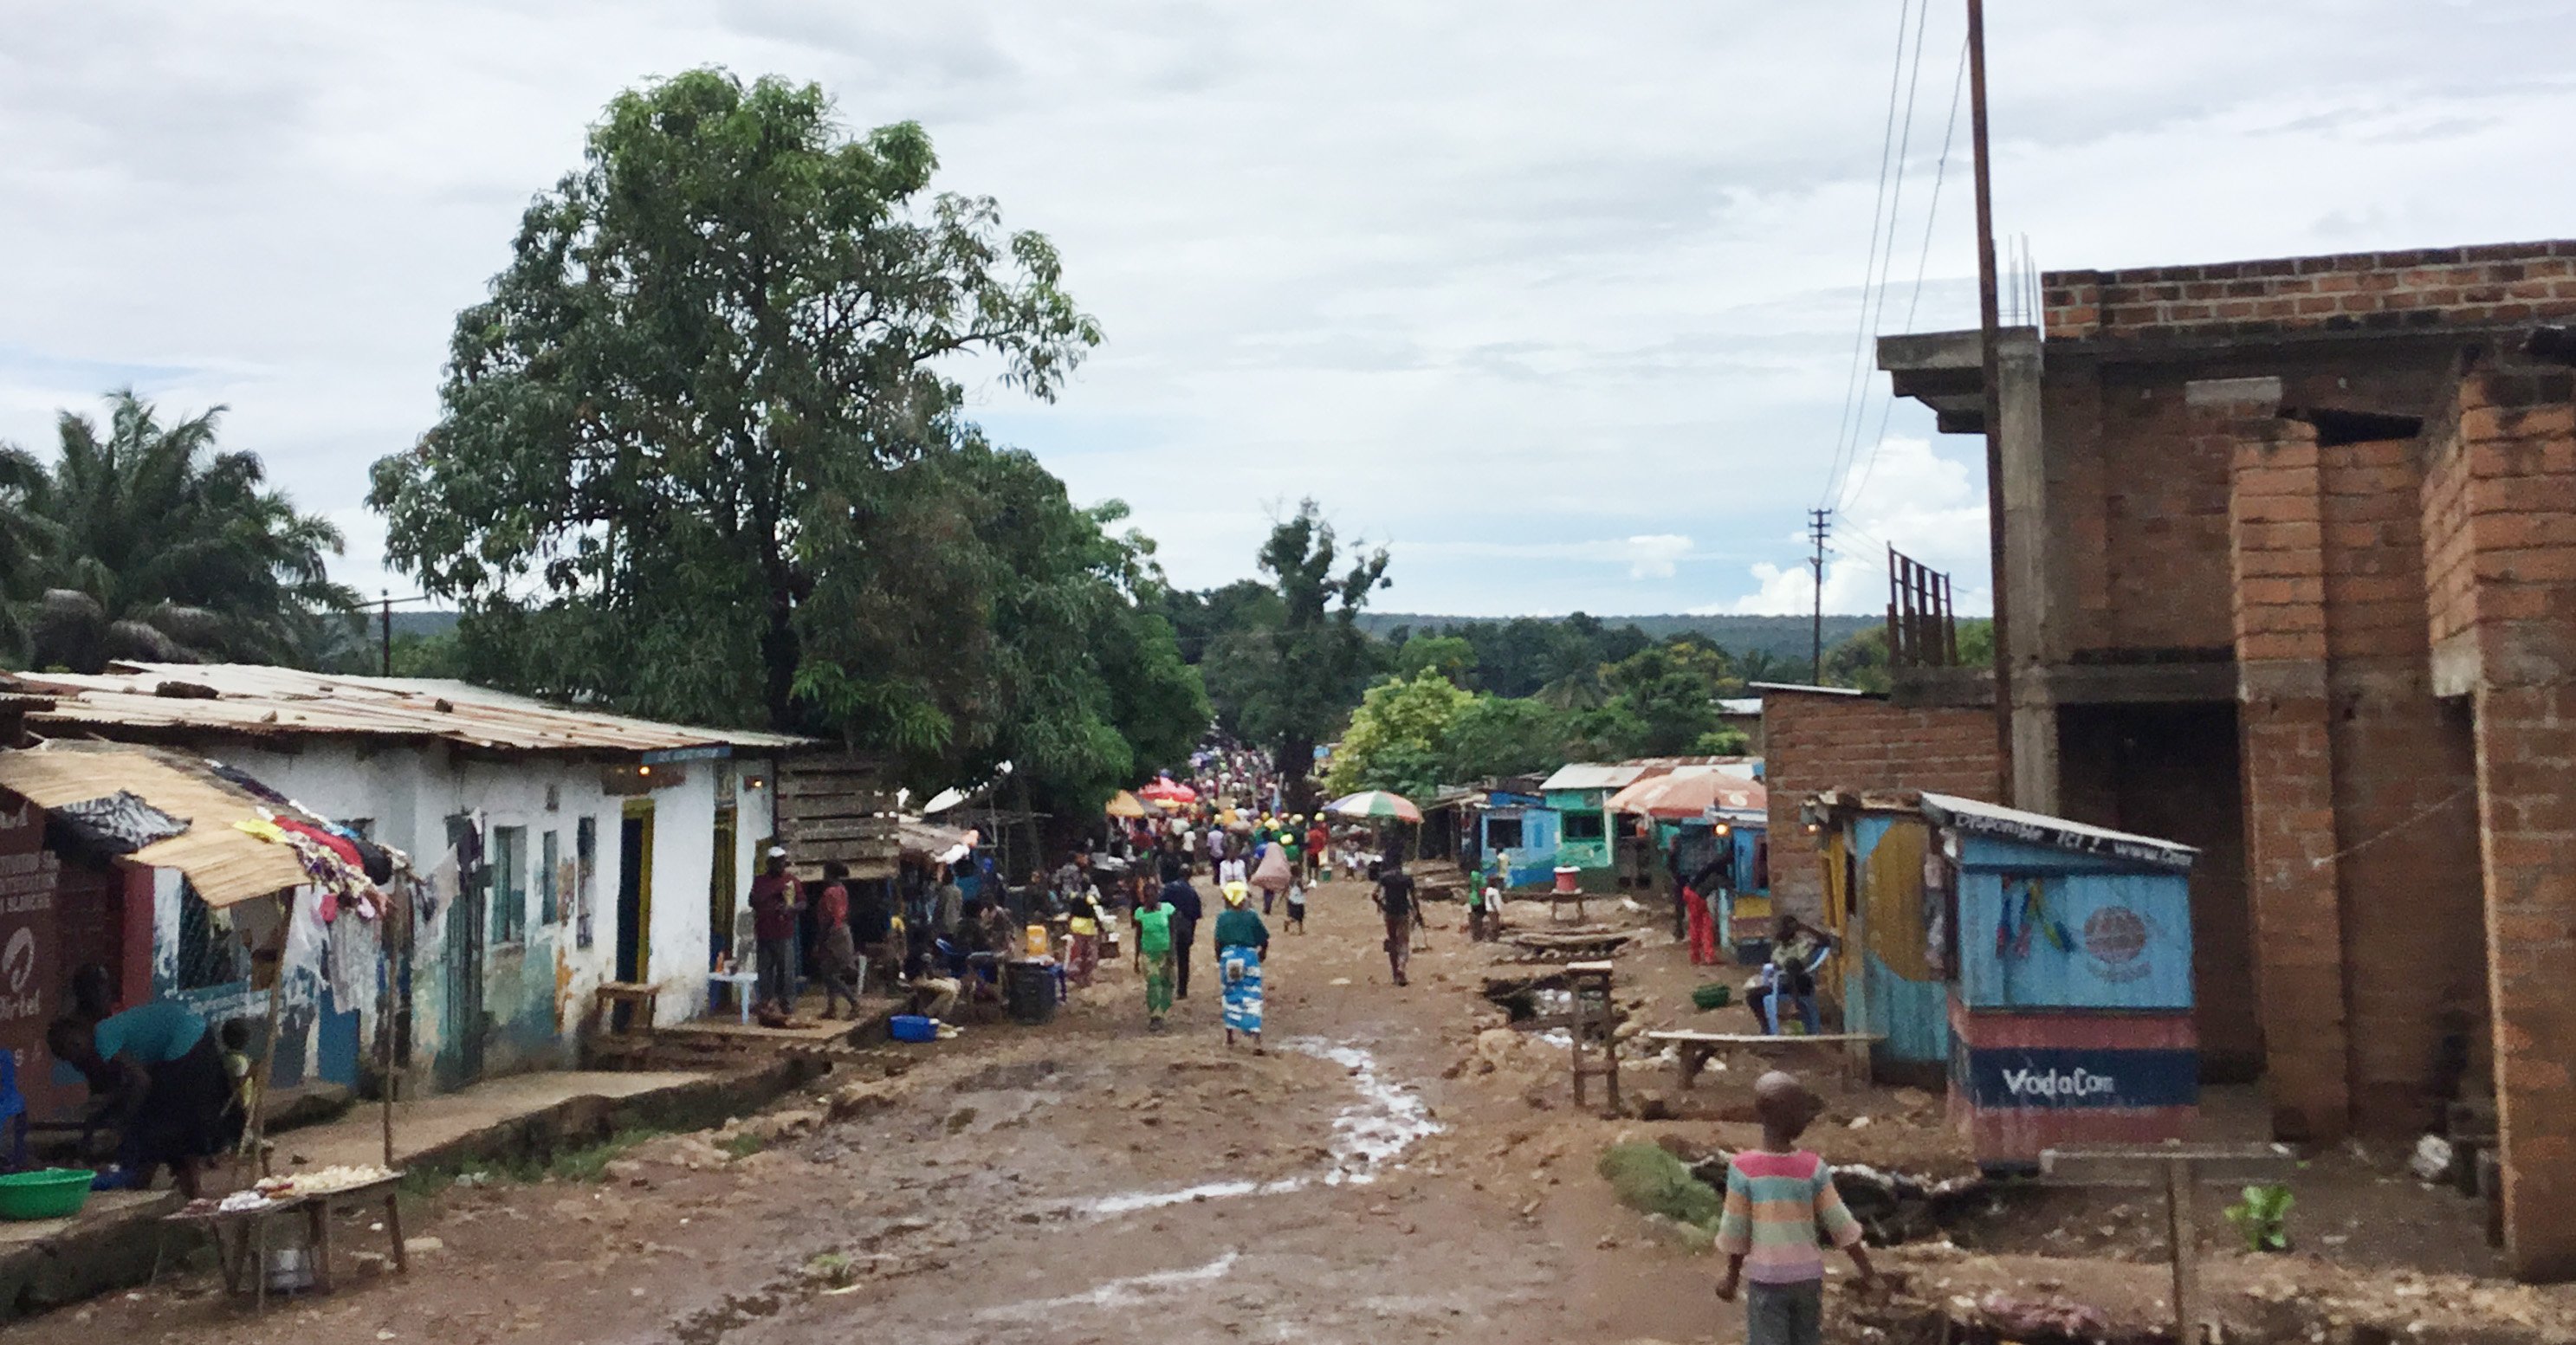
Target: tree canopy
702, 456
1296, 665
144, 540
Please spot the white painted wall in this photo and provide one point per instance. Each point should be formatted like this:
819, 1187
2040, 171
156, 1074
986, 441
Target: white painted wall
538, 990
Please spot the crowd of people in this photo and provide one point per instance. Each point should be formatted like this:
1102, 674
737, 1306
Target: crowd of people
944, 932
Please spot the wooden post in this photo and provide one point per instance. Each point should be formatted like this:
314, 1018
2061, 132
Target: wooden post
2180, 1169
2182, 1241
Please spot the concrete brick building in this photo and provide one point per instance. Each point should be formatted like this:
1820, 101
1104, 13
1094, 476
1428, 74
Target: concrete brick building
2290, 549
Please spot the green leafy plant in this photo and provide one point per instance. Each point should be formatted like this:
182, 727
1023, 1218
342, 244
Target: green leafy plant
741, 1144
2263, 1217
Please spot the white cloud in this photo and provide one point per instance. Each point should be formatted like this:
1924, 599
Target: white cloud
1655, 557
1927, 505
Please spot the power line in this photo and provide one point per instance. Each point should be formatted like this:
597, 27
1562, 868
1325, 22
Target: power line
1885, 263
1843, 421
1923, 259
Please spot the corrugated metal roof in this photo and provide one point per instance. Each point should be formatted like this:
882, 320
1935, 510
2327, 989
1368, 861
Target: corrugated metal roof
1994, 819
1588, 775
223, 863
254, 699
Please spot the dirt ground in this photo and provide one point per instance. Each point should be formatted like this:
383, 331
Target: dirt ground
1398, 1166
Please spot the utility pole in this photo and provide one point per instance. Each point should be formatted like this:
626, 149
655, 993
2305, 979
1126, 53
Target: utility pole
385, 631
1819, 523
1991, 323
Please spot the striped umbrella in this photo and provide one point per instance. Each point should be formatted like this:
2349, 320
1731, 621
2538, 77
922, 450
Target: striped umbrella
1375, 803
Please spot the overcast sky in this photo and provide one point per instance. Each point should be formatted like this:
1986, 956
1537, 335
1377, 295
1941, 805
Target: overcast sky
1558, 301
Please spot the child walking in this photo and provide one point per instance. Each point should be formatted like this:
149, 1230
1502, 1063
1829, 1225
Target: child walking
1780, 1200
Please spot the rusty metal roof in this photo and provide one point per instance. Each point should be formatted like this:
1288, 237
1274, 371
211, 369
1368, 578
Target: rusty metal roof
222, 862
252, 699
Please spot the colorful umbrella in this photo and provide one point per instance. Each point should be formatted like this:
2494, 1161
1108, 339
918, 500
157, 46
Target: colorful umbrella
1124, 804
1375, 803
1168, 790
1688, 797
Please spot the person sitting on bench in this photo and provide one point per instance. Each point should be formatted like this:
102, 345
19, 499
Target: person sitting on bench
1798, 952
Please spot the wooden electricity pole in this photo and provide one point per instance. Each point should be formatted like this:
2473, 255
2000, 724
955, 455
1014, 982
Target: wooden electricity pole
1990, 323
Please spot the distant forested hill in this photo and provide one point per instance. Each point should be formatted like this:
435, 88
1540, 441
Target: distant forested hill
1780, 636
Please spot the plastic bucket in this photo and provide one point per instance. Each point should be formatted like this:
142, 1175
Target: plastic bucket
912, 1027
1029, 989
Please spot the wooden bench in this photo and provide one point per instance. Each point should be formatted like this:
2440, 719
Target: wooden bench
1695, 1048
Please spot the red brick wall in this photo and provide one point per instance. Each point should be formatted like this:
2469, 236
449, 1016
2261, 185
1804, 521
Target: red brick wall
2365, 291
1815, 741
2515, 434
2279, 598
2414, 951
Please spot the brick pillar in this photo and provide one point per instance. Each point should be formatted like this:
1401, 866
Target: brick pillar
2526, 758
2276, 537
2514, 431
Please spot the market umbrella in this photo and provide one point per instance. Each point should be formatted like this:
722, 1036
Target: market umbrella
1125, 804
1686, 797
1375, 803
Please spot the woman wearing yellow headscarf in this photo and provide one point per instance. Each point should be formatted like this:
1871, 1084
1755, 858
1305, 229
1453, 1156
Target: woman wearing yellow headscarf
1242, 941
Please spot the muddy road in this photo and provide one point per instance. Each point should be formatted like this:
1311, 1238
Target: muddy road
1086, 1181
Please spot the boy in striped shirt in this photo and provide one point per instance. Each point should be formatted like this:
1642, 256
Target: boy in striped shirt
1780, 1200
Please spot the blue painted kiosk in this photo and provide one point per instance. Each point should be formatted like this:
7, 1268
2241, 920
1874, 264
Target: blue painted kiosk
2069, 977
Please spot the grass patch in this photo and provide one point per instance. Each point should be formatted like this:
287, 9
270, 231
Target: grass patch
742, 1144
1651, 1180
590, 1162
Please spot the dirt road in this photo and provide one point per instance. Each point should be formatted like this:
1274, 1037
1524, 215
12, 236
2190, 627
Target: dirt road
1082, 1182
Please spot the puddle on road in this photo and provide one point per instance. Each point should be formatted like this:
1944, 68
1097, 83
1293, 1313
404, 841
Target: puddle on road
1124, 1292
1388, 1119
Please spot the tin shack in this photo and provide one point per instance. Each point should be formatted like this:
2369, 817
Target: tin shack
2070, 985
1889, 974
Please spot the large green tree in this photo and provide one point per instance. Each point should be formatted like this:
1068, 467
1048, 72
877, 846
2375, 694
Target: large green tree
1398, 737
1287, 682
144, 540
702, 453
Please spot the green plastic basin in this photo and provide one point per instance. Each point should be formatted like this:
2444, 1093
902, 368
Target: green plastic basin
51, 1193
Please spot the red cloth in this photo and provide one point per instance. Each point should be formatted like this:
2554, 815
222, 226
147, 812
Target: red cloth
833, 907
773, 908
336, 844
1703, 928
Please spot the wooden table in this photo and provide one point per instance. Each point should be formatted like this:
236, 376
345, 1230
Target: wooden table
241, 1236
1694, 1049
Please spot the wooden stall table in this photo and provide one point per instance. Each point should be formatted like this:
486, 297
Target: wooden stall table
635, 1039
1693, 1050
241, 1236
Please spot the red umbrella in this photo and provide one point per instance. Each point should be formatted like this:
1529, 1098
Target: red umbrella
1168, 790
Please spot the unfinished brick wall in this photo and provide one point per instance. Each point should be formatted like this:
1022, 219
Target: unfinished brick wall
2502, 474
2361, 291
1815, 741
2283, 720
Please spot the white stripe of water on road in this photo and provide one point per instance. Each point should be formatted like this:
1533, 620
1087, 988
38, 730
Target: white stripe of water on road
1123, 1292
1389, 1119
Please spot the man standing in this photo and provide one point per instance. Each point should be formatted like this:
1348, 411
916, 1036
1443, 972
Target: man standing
774, 898
948, 904
1394, 897
1319, 852
1186, 908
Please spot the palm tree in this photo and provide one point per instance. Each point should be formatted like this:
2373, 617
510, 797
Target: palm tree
152, 544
